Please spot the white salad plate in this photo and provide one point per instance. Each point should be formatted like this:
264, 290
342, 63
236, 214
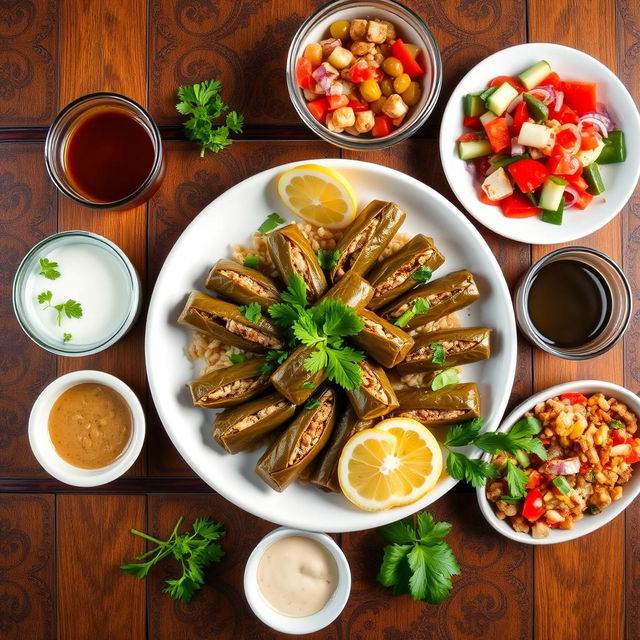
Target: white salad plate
619, 179
231, 219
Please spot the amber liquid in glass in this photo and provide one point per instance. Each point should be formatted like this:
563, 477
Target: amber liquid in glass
109, 155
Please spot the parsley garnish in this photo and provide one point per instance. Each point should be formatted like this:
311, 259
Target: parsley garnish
308, 385
253, 262
70, 308
444, 379
418, 561
194, 551
616, 424
273, 358
252, 312
66, 337
439, 354
311, 404
49, 269
422, 274
273, 220
420, 305
203, 102
516, 480
328, 259
237, 358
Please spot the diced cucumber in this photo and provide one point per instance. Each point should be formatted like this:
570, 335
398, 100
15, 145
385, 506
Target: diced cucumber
535, 74
502, 160
487, 117
614, 149
554, 217
537, 109
473, 105
534, 135
522, 458
501, 98
552, 192
473, 149
497, 185
589, 156
486, 93
591, 174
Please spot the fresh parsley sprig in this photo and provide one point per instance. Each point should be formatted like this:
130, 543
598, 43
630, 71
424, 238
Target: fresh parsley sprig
272, 221
253, 262
422, 274
252, 312
418, 561
195, 551
327, 258
49, 269
203, 102
420, 305
70, 308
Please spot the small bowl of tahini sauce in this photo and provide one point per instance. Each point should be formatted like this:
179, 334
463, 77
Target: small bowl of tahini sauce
86, 428
297, 581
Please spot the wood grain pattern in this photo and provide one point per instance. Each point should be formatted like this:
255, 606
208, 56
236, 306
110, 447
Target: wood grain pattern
95, 599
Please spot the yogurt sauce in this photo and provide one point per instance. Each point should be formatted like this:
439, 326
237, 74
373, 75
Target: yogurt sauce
90, 275
297, 576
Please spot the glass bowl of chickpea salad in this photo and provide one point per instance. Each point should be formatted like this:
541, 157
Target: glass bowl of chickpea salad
364, 75
589, 471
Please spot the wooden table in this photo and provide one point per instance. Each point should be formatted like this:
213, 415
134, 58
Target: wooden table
60, 547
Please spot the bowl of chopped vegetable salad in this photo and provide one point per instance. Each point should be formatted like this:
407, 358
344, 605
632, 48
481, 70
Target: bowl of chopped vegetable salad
570, 464
541, 143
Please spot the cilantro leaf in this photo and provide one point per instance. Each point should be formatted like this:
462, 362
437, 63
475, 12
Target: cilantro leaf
616, 424
296, 292
253, 262
471, 470
501, 441
336, 318
316, 361
342, 367
444, 379
400, 532
528, 426
311, 404
422, 274
516, 480
273, 220
73, 309
431, 531
49, 269
252, 312
283, 314
273, 358
419, 306
327, 258
463, 433
439, 354
45, 296
66, 337
389, 574
237, 358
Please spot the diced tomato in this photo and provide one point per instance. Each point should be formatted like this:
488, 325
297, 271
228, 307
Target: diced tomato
534, 480
337, 102
517, 206
565, 115
620, 436
577, 181
583, 201
567, 138
634, 456
470, 137
357, 106
472, 123
498, 134
382, 126
533, 506
304, 68
319, 108
590, 136
580, 96
361, 71
574, 398
528, 174
410, 66
520, 116
553, 80
563, 163
498, 80
482, 196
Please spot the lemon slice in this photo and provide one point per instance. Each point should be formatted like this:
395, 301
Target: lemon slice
395, 463
318, 195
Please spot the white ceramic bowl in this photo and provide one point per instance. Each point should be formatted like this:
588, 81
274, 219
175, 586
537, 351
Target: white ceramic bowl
620, 179
288, 624
589, 523
45, 452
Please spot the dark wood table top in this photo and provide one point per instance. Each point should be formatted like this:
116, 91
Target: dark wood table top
60, 547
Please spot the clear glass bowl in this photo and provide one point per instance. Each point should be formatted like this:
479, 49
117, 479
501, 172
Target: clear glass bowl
69, 118
25, 289
409, 26
621, 303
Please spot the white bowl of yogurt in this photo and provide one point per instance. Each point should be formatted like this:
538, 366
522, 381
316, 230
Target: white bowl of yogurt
297, 581
76, 293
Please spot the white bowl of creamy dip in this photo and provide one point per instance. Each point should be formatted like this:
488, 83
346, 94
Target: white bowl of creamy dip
297, 581
86, 428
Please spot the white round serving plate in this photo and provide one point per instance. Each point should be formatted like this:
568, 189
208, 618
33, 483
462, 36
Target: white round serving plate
231, 219
620, 179
589, 523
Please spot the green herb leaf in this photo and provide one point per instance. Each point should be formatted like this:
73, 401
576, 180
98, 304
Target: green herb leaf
419, 306
273, 358
390, 574
528, 426
283, 314
500, 441
73, 309
296, 293
308, 385
400, 532
327, 258
237, 358
422, 274
336, 318
311, 404
252, 262
45, 296
463, 433
49, 269
66, 337
439, 354
316, 361
474, 471
516, 480
342, 367
616, 424
510, 500
593, 509
444, 379
252, 312
403, 320
273, 220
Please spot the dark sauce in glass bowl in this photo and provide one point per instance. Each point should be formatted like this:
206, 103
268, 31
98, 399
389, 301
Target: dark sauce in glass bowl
569, 303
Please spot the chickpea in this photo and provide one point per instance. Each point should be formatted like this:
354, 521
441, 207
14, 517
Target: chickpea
357, 29
412, 94
401, 83
340, 58
387, 86
376, 31
344, 117
392, 66
391, 30
394, 107
370, 90
376, 106
340, 29
313, 53
364, 121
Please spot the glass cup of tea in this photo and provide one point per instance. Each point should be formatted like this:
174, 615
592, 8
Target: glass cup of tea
104, 151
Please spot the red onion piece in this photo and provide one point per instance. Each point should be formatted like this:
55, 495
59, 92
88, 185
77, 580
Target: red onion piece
570, 196
559, 100
516, 148
514, 103
323, 78
601, 117
545, 94
597, 123
563, 467
509, 119
329, 45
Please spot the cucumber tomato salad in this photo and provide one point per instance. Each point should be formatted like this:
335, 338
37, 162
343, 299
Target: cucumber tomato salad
536, 142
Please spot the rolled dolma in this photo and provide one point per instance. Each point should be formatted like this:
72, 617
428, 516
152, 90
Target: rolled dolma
291, 252
392, 277
229, 386
225, 321
384, 342
297, 447
293, 381
461, 346
364, 241
455, 403
375, 396
353, 290
240, 428
242, 285
444, 296
325, 471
